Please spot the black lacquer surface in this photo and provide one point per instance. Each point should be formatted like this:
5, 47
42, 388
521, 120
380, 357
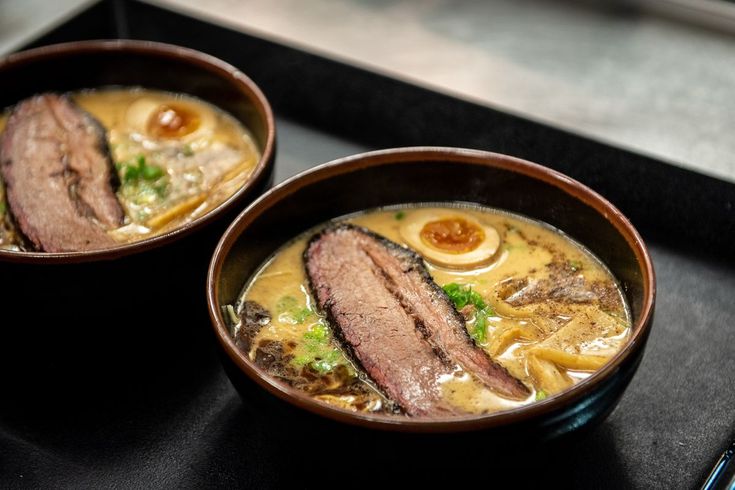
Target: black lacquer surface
140, 405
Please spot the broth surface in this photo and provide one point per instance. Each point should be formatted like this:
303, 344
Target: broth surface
177, 158
546, 309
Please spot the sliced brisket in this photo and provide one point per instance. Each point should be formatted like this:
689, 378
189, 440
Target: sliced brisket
399, 325
59, 175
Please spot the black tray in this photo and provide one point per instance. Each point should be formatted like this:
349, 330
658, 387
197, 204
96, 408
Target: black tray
165, 415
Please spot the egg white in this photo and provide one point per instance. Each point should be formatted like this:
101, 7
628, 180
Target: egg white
481, 255
139, 114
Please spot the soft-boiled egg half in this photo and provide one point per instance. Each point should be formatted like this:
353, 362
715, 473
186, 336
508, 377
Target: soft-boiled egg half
450, 238
170, 118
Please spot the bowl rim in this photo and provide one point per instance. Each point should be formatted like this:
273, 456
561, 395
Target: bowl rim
153, 49
417, 155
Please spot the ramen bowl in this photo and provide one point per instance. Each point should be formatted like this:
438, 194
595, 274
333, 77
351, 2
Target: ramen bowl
435, 175
101, 307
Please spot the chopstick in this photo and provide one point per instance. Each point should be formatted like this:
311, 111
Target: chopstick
722, 476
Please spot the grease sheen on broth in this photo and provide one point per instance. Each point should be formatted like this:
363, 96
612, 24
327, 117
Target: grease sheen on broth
554, 313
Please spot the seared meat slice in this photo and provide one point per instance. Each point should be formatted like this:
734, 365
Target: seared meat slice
564, 285
396, 321
59, 175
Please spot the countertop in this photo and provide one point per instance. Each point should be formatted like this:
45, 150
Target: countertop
611, 73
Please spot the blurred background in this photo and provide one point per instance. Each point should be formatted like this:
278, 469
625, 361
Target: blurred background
653, 76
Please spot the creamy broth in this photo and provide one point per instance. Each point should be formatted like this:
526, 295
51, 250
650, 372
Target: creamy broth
547, 340
177, 157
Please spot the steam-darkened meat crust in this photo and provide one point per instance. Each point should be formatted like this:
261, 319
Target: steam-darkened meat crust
253, 317
397, 322
59, 175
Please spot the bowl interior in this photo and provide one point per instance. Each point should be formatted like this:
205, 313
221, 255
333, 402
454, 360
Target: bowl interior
430, 175
94, 64
89, 65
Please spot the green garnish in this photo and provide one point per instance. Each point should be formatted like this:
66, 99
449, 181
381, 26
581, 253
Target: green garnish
142, 183
286, 303
161, 188
144, 192
316, 350
129, 173
151, 172
318, 333
399, 215
328, 362
187, 151
290, 311
541, 395
133, 172
575, 265
463, 295
479, 329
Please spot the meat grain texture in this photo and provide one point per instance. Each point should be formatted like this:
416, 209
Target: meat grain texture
59, 175
396, 321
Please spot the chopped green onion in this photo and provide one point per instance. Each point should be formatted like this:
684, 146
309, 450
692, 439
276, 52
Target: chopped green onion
161, 188
479, 330
300, 361
399, 215
316, 350
152, 172
540, 395
327, 362
477, 300
318, 332
286, 303
290, 311
302, 315
463, 295
130, 173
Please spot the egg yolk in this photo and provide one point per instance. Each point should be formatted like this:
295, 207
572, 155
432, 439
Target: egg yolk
453, 235
171, 121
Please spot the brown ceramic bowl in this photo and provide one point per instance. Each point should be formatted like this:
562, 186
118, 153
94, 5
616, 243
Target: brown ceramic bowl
80, 304
409, 175
94, 64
